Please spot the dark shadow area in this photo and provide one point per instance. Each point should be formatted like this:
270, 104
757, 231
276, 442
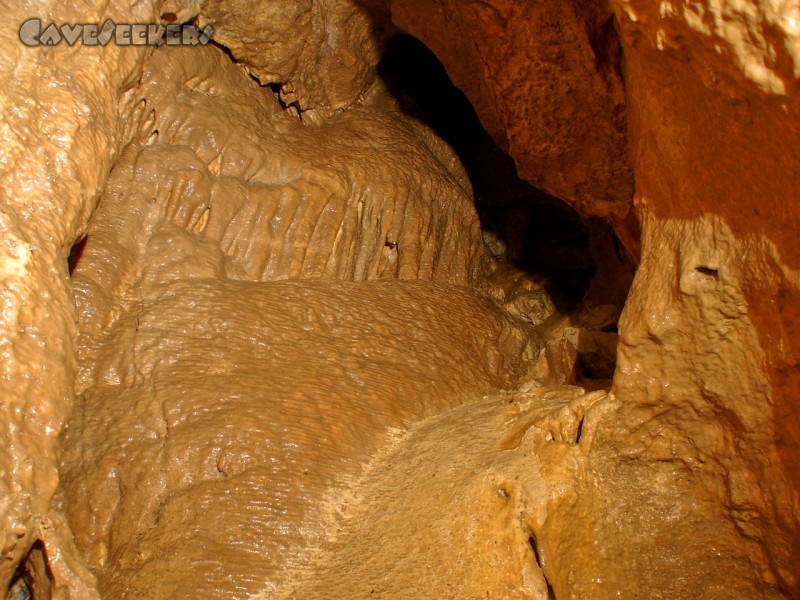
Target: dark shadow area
542, 234
33, 578
587, 271
75, 254
535, 549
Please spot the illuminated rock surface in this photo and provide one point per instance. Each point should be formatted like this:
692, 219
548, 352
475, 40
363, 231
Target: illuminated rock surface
285, 361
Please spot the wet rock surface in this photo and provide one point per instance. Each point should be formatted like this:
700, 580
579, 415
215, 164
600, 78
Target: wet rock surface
254, 326
227, 410
285, 316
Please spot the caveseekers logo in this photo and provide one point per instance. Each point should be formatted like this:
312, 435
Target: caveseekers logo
31, 33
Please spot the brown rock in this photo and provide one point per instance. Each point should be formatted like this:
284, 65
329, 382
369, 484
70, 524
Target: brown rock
222, 404
320, 54
708, 359
459, 506
597, 351
544, 80
225, 412
229, 410
62, 114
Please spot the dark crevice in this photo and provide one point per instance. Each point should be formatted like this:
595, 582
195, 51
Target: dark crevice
19, 589
619, 251
607, 49
534, 547
542, 234
708, 272
274, 87
293, 106
75, 254
33, 579
226, 51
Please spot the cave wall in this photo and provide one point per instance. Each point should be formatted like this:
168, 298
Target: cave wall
63, 125
67, 113
261, 304
704, 404
701, 96
713, 117
707, 367
571, 74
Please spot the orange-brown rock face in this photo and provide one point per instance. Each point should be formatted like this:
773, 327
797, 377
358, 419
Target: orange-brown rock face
361, 197
230, 411
710, 320
320, 54
700, 452
544, 79
60, 130
287, 376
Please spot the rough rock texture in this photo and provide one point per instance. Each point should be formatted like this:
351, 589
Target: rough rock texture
60, 129
682, 483
222, 404
709, 327
708, 368
320, 54
697, 397
531, 68
228, 410
228, 182
456, 507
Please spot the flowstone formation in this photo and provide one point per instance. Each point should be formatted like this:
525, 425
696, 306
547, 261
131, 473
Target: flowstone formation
262, 339
261, 305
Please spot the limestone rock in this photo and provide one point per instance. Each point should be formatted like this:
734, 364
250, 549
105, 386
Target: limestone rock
261, 305
562, 116
227, 410
597, 351
708, 354
320, 54
62, 114
481, 484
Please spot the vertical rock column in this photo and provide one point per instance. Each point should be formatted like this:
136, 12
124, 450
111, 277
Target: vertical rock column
709, 334
59, 132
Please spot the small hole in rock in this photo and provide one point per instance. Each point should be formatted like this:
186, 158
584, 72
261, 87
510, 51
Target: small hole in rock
169, 17
708, 272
